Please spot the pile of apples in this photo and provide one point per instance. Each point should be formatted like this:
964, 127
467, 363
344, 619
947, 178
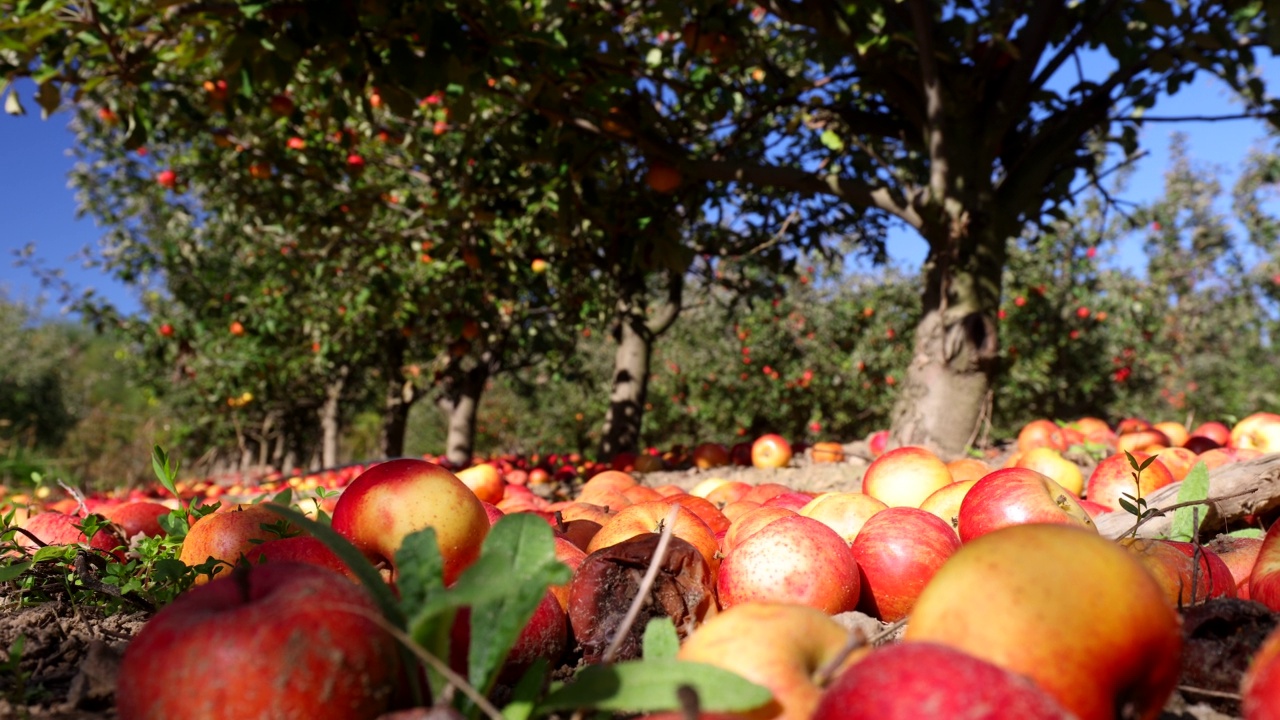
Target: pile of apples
1013, 599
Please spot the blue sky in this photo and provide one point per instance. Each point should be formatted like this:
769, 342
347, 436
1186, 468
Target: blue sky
37, 207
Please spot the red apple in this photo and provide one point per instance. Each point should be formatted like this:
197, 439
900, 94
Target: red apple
710, 455
299, 548
878, 443
1113, 478
1041, 433
228, 536
291, 640
1106, 642
770, 451
1173, 569
55, 528
916, 680
1240, 554
484, 480
905, 476
898, 551
1264, 579
140, 516
167, 179
394, 499
963, 469
792, 559
750, 522
1213, 430
1260, 688
545, 636
1016, 496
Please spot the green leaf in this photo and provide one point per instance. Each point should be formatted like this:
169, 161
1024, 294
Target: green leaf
527, 691
1127, 504
516, 566
1248, 533
832, 141
55, 552
653, 685
1195, 488
420, 576
11, 572
660, 639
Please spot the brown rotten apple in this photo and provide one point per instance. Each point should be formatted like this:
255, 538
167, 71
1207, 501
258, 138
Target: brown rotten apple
395, 499
275, 640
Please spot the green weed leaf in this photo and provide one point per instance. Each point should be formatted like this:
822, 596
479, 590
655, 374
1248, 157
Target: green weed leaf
1195, 488
660, 639
653, 685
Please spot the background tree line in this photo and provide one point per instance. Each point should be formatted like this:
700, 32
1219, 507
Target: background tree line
396, 201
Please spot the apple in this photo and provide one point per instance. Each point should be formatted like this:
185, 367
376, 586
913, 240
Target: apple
914, 680
770, 451
792, 500
827, 452
1048, 461
792, 559
783, 647
740, 454
1264, 579
1106, 643
663, 177
299, 548
706, 487
641, 493
945, 502
1213, 430
1016, 496
1176, 432
1096, 431
646, 463
281, 104
167, 178
709, 455
55, 528
878, 443
1132, 424
703, 508
355, 163
738, 508
1200, 444
765, 492
1260, 687
1114, 478
139, 516
1041, 433
963, 469
1148, 441
287, 640
905, 476
394, 499
729, 492
1174, 569
1259, 431
898, 551
845, 512
228, 535
166, 330
1240, 554
750, 522
1177, 460
539, 266
484, 480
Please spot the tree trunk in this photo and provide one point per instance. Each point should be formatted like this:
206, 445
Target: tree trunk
945, 392
329, 418
460, 401
400, 396
630, 385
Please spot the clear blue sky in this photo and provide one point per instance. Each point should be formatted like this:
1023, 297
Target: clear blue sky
37, 207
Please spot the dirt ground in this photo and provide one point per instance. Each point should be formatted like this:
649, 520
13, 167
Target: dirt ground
67, 667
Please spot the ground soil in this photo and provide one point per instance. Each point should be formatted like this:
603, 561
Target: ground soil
71, 653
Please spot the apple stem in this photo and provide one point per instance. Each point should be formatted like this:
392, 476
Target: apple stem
690, 703
646, 584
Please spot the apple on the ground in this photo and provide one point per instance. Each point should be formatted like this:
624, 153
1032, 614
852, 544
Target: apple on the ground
905, 476
1017, 496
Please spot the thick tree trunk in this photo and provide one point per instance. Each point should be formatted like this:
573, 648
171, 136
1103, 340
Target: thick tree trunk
460, 402
630, 386
954, 360
400, 396
330, 424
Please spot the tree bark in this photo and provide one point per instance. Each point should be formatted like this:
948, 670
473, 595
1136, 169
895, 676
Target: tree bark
460, 402
330, 424
630, 385
400, 394
955, 355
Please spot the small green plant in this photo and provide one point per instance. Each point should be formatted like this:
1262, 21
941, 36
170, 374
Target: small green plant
18, 690
1136, 505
